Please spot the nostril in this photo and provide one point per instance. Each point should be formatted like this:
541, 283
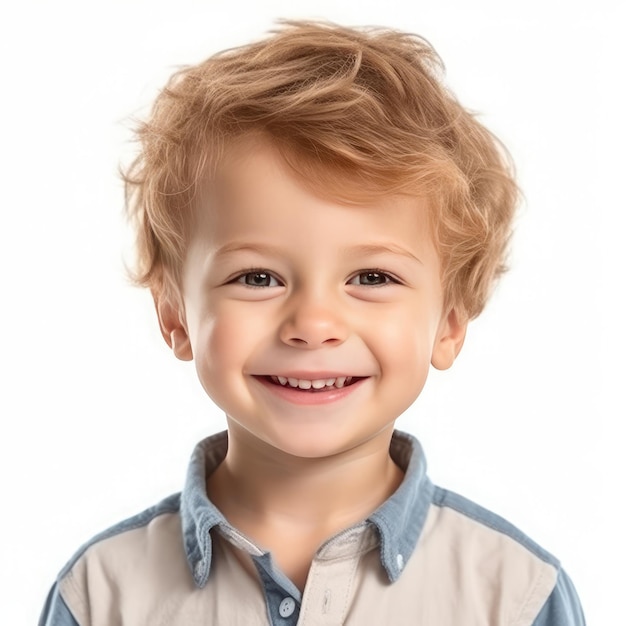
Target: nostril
299, 341
332, 340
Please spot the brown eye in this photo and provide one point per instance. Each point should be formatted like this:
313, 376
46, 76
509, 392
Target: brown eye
258, 279
371, 279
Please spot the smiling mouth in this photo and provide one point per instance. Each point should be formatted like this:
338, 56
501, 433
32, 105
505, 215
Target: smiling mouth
316, 385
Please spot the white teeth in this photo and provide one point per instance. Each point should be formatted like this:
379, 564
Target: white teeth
319, 383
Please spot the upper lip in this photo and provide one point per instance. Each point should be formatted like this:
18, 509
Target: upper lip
301, 375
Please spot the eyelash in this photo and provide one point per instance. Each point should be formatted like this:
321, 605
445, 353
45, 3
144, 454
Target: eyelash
241, 278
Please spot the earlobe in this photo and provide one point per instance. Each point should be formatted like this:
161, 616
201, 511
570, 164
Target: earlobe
179, 342
173, 328
449, 341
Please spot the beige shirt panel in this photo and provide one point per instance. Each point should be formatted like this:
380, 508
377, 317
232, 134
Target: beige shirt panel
141, 578
455, 576
461, 573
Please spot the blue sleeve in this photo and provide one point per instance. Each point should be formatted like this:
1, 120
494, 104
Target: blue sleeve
55, 612
562, 608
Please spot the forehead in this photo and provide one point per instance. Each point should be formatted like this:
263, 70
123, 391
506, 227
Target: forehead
254, 187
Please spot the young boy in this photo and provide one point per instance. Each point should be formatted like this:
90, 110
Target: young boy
318, 219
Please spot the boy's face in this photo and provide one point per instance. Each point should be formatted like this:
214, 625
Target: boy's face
284, 293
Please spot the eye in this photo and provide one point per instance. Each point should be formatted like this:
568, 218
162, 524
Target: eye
372, 278
258, 278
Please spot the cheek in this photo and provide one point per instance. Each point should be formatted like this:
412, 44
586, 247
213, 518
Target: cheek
402, 338
402, 346
225, 341
217, 345
216, 358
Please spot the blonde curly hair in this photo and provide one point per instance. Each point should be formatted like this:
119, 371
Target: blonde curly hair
356, 114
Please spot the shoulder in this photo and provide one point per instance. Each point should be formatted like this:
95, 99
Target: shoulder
137, 549
138, 532
500, 565
463, 516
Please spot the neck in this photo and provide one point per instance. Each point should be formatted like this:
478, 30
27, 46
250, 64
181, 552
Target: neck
258, 485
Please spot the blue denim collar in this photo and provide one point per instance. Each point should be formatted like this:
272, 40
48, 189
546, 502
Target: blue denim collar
399, 520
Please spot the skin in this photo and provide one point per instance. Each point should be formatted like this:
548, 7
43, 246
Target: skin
280, 282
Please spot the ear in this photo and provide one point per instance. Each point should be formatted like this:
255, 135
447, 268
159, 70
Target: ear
173, 328
449, 341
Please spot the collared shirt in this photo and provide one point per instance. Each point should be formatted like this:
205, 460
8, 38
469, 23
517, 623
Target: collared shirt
425, 557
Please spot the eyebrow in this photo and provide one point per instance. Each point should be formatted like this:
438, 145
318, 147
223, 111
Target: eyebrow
366, 249
235, 246
371, 249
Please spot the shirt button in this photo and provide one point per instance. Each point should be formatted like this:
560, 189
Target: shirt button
287, 607
400, 561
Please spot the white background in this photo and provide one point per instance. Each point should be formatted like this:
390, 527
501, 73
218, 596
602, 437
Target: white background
98, 419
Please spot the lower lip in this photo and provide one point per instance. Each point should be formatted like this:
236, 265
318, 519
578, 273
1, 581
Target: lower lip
308, 397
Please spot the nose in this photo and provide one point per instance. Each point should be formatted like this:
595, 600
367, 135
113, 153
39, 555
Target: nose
312, 322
